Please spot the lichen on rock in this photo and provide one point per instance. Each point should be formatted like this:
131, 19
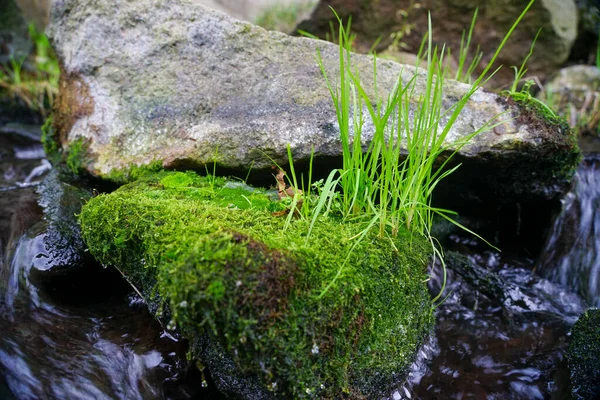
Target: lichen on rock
216, 258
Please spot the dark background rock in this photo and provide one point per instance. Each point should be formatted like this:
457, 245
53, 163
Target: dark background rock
374, 19
14, 38
36, 12
584, 48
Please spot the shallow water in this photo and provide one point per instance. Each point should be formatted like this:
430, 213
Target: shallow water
65, 345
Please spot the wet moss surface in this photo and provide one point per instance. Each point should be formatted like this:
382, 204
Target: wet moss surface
583, 356
223, 265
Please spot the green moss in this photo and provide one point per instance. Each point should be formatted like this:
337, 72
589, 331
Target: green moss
50, 141
583, 356
526, 100
77, 155
215, 251
566, 155
133, 173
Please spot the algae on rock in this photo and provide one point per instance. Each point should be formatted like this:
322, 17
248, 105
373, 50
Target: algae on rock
222, 264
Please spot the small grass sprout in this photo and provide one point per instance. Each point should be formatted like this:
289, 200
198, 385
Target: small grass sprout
464, 73
521, 71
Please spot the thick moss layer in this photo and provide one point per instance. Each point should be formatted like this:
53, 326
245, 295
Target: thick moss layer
226, 266
583, 357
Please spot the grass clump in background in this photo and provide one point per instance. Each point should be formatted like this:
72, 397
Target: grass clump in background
284, 17
34, 80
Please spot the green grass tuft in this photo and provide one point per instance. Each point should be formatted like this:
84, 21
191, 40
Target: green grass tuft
380, 187
33, 81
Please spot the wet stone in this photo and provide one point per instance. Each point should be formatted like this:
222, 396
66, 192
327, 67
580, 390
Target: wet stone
62, 250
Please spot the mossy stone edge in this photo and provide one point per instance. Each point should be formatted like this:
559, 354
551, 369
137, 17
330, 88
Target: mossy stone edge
214, 257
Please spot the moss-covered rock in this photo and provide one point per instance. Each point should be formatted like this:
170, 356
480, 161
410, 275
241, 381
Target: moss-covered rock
217, 258
583, 356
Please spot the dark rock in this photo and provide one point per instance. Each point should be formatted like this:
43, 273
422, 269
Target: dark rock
484, 281
36, 12
584, 48
14, 38
380, 19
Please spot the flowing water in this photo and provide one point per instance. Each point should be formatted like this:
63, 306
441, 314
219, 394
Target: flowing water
86, 336
504, 326
500, 333
572, 254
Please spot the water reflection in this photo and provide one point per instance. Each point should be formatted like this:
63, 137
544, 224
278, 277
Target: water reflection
103, 345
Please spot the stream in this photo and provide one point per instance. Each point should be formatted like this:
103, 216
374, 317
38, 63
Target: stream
500, 332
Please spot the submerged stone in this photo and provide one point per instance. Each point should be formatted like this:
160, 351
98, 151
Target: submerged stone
219, 262
182, 86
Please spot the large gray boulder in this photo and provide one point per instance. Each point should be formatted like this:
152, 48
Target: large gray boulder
179, 84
